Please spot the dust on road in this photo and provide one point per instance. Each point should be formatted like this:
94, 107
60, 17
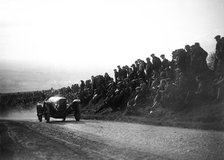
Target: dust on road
108, 140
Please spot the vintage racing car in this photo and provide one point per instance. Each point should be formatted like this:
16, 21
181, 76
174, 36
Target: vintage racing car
57, 107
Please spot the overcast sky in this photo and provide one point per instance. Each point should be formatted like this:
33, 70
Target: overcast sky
97, 35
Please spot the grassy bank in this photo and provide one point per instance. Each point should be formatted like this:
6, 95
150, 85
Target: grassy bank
206, 117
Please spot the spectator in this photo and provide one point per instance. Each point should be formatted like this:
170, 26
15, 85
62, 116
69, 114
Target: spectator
165, 63
156, 62
149, 70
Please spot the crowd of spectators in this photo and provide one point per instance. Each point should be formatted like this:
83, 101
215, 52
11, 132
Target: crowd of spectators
183, 80
26, 100
21, 99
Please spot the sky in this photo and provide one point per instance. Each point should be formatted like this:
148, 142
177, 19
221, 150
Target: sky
84, 38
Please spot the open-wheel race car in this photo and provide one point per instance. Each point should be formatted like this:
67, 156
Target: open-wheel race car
57, 107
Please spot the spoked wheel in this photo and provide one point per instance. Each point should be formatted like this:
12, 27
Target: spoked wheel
76, 109
40, 118
47, 114
77, 113
47, 117
77, 116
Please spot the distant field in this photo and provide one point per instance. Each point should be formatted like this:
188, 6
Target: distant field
22, 77
20, 81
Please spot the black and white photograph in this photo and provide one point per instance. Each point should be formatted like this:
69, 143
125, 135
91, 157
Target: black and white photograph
111, 79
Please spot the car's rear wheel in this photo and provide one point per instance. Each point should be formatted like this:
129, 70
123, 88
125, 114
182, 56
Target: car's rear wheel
77, 113
47, 117
47, 114
77, 116
40, 118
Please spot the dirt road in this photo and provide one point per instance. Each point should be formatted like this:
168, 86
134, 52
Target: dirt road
89, 139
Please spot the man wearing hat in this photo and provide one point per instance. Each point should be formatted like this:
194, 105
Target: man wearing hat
119, 70
134, 72
199, 62
156, 62
115, 75
217, 50
149, 69
218, 44
165, 63
188, 58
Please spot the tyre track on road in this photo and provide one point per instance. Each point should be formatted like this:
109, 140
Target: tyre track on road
48, 141
94, 147
90, 139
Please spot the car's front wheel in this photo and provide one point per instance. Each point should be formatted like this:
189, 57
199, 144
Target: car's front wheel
77, 114
40, 118
64, 118
47, 117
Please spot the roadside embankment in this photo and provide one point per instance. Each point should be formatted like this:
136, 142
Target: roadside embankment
206, 117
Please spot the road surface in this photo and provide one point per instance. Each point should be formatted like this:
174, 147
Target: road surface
91, 139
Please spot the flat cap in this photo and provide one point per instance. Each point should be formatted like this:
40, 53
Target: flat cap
217, 37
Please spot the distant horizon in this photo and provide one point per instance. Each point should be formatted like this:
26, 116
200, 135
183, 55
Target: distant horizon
24, 79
